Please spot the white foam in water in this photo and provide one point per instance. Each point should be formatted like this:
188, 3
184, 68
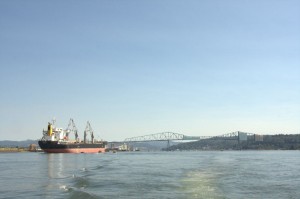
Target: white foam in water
200, 185
64, 187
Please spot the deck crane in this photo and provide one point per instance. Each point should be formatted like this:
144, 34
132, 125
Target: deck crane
72, 128
88, 129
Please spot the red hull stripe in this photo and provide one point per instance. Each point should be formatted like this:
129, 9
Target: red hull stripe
78, 150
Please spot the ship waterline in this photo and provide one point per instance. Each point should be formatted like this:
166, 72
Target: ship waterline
87, 150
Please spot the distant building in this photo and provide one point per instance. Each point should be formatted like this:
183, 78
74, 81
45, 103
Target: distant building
32, 147
242, 136
258, 138
124, 147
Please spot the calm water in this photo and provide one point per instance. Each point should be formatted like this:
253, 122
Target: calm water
223, 174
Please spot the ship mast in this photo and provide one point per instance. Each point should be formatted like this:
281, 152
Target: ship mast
53, 121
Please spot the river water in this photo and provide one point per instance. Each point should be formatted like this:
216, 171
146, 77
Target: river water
203, 174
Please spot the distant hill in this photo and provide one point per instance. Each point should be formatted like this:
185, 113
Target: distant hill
10, 143
269, 142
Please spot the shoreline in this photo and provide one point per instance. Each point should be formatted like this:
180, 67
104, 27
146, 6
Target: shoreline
13, 150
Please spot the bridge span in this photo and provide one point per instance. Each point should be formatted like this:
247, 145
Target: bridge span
168, 136
173, 138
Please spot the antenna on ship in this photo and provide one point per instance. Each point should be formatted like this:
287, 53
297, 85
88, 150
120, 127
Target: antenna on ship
53, 121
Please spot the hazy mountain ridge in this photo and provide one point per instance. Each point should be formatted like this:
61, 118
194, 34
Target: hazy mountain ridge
12, 143
270, 142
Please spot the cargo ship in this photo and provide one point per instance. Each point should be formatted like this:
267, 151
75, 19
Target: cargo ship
57, 140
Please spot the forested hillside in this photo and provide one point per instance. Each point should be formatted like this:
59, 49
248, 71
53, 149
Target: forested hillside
270, 142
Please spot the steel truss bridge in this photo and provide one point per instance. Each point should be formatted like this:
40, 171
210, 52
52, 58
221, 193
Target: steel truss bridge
169, 136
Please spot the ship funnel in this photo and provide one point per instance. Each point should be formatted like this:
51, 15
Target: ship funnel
49, 129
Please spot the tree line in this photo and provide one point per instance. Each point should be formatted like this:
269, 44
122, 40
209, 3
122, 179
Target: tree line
269, 142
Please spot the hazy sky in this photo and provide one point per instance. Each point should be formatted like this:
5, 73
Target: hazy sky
135, 67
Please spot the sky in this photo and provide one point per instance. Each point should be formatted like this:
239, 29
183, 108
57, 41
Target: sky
134, 68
